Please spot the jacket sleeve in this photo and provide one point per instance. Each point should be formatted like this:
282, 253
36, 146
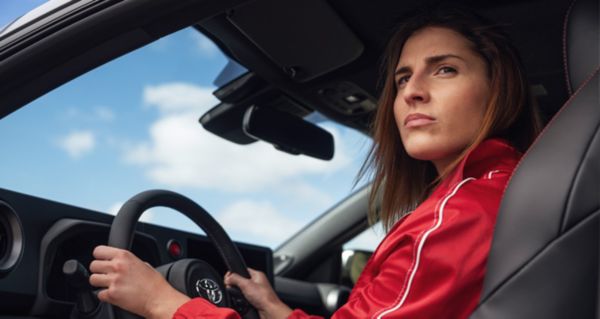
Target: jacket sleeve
199, 308
435, 271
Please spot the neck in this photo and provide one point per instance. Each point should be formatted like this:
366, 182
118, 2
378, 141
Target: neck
441, 165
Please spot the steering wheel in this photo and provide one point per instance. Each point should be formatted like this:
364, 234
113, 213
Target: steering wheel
193, 277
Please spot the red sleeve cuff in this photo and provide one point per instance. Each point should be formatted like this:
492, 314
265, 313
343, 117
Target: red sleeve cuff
299, 314
201, 308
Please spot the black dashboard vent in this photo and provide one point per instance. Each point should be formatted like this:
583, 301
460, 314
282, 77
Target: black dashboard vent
11, 238
4, 239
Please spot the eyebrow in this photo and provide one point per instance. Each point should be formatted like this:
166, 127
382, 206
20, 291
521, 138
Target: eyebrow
429, 61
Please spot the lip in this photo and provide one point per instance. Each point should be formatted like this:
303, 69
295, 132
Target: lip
418, 119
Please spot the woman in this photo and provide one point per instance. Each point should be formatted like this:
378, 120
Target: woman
454, 116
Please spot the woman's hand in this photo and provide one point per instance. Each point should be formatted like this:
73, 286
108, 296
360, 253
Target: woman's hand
260, 294
132, 284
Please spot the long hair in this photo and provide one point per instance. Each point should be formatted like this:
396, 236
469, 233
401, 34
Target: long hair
400, 182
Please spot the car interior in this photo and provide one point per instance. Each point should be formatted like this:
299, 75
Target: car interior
300, 57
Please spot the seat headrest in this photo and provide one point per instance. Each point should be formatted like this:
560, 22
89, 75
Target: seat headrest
581, 42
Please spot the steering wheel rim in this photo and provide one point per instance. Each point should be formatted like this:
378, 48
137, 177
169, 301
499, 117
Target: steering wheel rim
123, 227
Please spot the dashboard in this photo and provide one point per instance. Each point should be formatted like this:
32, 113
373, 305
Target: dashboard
37, 236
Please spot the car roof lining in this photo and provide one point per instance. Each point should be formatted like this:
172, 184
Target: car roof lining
305, 39
539, 41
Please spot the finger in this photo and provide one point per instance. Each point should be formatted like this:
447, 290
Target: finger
257, 276
236, 280
101, 266
151, 267
105, 252
103, 295
100, 280
226, 280
254, 272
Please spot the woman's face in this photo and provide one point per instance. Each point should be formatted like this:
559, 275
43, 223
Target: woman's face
442, 92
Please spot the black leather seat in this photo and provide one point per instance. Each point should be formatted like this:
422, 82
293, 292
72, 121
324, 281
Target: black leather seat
544, 260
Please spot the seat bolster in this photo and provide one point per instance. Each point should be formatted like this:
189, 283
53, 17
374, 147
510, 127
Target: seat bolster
582, 42
534, 210
558, 283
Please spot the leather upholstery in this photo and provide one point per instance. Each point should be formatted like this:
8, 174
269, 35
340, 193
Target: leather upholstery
544, 257
580, 40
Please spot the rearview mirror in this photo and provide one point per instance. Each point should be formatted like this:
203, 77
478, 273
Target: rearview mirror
288, 132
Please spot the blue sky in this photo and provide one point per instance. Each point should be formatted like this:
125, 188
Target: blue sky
11, 9
131, 125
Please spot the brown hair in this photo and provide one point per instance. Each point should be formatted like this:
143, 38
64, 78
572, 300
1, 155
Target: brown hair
401, 182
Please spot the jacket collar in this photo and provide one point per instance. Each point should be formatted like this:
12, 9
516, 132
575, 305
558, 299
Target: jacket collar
490, 155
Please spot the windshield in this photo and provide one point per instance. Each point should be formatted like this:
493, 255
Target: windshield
14, 14
132, 125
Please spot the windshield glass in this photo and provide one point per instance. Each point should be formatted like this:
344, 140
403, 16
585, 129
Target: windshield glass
14, 14
132, 125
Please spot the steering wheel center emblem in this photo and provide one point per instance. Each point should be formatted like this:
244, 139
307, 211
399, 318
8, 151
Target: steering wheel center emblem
210, 289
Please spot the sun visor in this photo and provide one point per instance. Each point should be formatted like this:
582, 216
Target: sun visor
305, 38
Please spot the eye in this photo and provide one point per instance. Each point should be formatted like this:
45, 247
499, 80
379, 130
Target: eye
401, 81
446, 70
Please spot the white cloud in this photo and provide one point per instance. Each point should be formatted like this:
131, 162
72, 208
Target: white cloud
181, 153
204, 45
300, 191
104, 114
179, 97
114, 208
77, 144
149, 216
257, 221
244, 220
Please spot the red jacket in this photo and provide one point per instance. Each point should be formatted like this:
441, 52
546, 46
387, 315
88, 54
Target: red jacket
432, 262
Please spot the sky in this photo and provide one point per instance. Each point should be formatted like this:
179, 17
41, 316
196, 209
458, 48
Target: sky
11, 9
132, 125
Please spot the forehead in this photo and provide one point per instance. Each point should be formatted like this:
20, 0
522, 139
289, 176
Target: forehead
432, 41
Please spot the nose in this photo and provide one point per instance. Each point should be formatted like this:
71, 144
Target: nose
415, 91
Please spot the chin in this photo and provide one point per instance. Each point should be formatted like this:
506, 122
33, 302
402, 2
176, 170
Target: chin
420, 147
432, 145
422, 152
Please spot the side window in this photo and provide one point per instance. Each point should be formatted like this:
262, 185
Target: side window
368, 240
357, 251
